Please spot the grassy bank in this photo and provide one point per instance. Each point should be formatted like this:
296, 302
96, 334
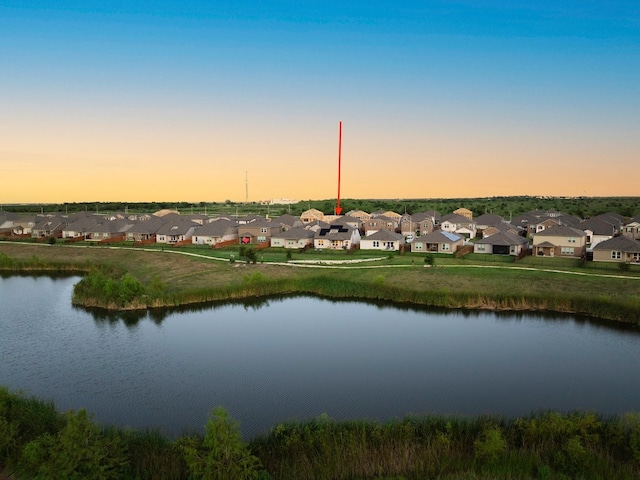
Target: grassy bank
121, 279
38, 442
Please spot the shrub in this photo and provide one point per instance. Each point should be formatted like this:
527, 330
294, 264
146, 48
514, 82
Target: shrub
222, 454
490, 446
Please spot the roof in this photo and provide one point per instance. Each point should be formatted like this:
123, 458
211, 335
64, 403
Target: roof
439, 236
337, 232
561, 231
287, 219
455, 218
295, 233
218, 228
178, 226
546, 244
598, 226
385, 236
622, 243
489, 219
504, 239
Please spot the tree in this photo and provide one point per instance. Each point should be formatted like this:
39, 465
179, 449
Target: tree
80, 450
222, 454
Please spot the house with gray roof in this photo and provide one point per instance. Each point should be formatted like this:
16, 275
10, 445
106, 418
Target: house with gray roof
49, 226
175, 230
560, 241
258, 231
336, 237
379, 222
144, 230
382, 240
631, 229
459, 224
438, 241
80, 227
108, 230
488, 220
295, 237
617, 249
503, 243
598, 230
215, 232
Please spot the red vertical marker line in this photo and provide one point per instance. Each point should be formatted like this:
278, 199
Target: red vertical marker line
339, 208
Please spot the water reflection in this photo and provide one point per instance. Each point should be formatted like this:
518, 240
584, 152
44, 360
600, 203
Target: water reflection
131, 318
272, 359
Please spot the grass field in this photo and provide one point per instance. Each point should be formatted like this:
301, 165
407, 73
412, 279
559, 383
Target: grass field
197, 274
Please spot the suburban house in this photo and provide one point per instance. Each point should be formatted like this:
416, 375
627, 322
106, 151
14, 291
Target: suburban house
213, 233
389, 214
288, 221
109, 230
144, 230
560, 241
417, 224
632, 228
176, 230
503, 227
380, 223
598, 230
296, 237
347, 220
48, 227
488, 220
503, 243
359, 214
80, 227
468, 214
259, 231
459, 224
382, 240
311, 215
336, 237
617, 249
316, 226
438, 241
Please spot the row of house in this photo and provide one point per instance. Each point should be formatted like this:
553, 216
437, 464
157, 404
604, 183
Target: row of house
610, 237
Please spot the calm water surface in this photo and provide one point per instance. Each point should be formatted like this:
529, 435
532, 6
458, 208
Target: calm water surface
297, 358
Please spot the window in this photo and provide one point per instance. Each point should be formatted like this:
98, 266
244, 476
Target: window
616, 255
263, 230
480, 247
418, 245
571, 240
636, 257
445, 247
376, 243
262, 238
566, 251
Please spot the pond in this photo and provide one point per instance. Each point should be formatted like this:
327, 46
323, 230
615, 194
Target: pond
294, 358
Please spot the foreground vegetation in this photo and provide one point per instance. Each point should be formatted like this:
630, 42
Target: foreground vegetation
129, 279
36, 442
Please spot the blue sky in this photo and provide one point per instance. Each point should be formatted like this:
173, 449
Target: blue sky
493, 87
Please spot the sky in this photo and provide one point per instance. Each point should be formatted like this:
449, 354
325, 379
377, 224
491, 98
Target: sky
210, 101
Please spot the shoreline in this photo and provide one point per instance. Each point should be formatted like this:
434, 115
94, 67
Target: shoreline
206, 282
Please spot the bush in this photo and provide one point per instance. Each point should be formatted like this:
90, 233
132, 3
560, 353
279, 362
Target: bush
222, 454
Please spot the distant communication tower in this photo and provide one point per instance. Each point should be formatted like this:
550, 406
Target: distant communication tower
338, 207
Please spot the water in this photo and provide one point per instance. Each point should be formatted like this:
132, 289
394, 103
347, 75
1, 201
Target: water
297, 358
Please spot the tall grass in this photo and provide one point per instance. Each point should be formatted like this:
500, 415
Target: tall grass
36, 441
128, 280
